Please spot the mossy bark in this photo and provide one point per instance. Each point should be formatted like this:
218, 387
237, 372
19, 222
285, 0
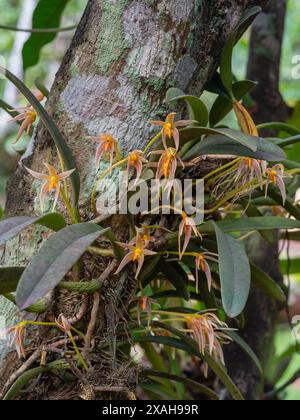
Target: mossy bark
123, 58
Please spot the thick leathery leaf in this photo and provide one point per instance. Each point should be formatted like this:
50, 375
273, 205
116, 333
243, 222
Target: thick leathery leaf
54, 260
14, 225
221, 145
235, 275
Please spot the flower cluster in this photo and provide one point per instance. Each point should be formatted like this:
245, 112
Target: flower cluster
209, 333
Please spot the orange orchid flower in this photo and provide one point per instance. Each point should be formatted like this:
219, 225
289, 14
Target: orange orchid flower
63, 324
170, 128
137, 254
252, 167
107, 146
186, 228
275, 176
208, 331
167, 165
135, 160
144, 235
19, 336
52, 182
202, 265
27, 115
144, 305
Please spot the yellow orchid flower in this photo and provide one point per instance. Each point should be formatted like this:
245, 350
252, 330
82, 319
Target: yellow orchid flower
27, 115
170, 128
52, 182
186, 228
137, 254
108, 145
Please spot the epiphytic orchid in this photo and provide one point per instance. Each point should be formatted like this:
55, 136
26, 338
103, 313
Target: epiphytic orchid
107, 146
249, 168
19, 335
170, 128
167, 166
135, 160
275, 176
137, 254
186, 228
144, 305
145, 235
202, 265
27, 115
208, 331
52, 182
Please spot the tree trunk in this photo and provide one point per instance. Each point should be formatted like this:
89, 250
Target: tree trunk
114, 77
261, 312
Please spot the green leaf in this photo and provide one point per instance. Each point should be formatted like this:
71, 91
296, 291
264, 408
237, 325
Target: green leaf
223, 105
226, 63
54, 260
46, 15
267, 284
247, 350
280, 127
235, 273
57, 137
226, 57
188, 382
173, 93
9, 279
221, 145
197, 109
247, 141
248, 224
176, 276
22, 381
289, 141
14, 225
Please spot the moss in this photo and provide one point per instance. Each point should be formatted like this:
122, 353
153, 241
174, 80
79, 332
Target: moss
112, 41
156, 83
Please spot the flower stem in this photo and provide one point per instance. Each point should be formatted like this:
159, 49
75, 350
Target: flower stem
77, 351
70, 210
151, 142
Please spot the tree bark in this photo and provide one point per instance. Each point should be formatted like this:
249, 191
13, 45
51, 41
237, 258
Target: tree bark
114, 77
261, 312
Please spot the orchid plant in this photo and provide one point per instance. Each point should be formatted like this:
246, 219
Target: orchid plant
202, 269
